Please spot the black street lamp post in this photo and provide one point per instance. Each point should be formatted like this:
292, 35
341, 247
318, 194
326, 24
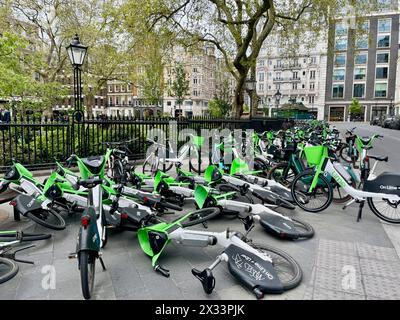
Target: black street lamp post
278, 96
77, 54
250, 86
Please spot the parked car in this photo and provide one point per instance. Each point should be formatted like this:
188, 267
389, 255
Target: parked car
395, 124
376, 121
387, 121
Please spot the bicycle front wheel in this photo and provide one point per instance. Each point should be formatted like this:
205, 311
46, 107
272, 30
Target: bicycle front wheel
87, 264
319, 199
386, 210
288, 270
8, 269
47, 218
282, 173
198, 161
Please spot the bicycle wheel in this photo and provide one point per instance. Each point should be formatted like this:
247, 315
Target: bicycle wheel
8, 269
47, 218
200, 216
288, 270
194, 160
282, 174
386, 210
339, 194
319, 199
12, 236
87, 265
344, 154
150, 165
306, 231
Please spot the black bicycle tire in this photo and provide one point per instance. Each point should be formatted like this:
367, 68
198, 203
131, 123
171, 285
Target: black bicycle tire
214, 213
87, 288
195, 168
14, 268
322, 208
341, 155
379, 215
298, 272
309, 233
62, 225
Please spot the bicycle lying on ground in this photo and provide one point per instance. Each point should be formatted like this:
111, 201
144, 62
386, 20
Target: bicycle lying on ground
261, 268
9, 240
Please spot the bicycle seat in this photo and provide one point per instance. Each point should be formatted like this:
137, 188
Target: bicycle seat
377, 158
94, 163
252, 270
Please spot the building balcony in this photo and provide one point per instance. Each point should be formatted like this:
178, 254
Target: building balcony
290, 79
287, 66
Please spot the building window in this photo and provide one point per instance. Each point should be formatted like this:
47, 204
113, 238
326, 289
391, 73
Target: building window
383, 41
341, 44
360, 73
359, 90
382, 57
339, 74
117, 88
312, 74
261, 76
382, 72
195, 81
313, 60
381, 90
361, 58
338, 91
295, 75
312, 86
261, 87
385, 26
340, 60
311, 99
169, 103
294, 86
110, 89
362, 42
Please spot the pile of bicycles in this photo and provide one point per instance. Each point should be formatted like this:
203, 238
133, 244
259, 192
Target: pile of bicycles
307, 167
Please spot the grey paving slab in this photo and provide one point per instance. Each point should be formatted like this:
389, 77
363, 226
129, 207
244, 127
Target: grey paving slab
380, 287
337, 247
376, 252
326, 294
337, 261
30, 286
336, 280
386, 269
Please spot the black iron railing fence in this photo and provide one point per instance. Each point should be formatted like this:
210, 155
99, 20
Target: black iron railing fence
36, 143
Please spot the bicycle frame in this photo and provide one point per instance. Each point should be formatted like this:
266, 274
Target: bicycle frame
326, 168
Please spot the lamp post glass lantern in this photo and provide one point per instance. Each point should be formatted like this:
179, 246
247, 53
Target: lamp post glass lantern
250, 86
77, 54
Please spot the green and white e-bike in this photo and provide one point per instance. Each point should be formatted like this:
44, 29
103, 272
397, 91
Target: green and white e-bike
382, 192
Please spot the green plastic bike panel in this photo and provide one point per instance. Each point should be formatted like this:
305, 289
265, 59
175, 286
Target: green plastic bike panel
213, 174
240, 166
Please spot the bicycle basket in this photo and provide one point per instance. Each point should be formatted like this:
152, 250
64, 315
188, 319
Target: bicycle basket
315, 154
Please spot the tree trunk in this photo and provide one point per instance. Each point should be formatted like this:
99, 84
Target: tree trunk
239, 97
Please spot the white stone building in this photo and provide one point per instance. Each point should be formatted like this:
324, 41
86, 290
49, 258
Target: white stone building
300, 77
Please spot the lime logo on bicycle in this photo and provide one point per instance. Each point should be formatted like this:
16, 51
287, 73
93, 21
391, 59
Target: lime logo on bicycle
338, 178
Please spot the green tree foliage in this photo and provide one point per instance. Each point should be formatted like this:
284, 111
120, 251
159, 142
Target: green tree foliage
355, 107
180, 86
239, 28
218, 108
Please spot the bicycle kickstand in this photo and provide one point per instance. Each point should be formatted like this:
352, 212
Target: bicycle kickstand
102, 264
360, 210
